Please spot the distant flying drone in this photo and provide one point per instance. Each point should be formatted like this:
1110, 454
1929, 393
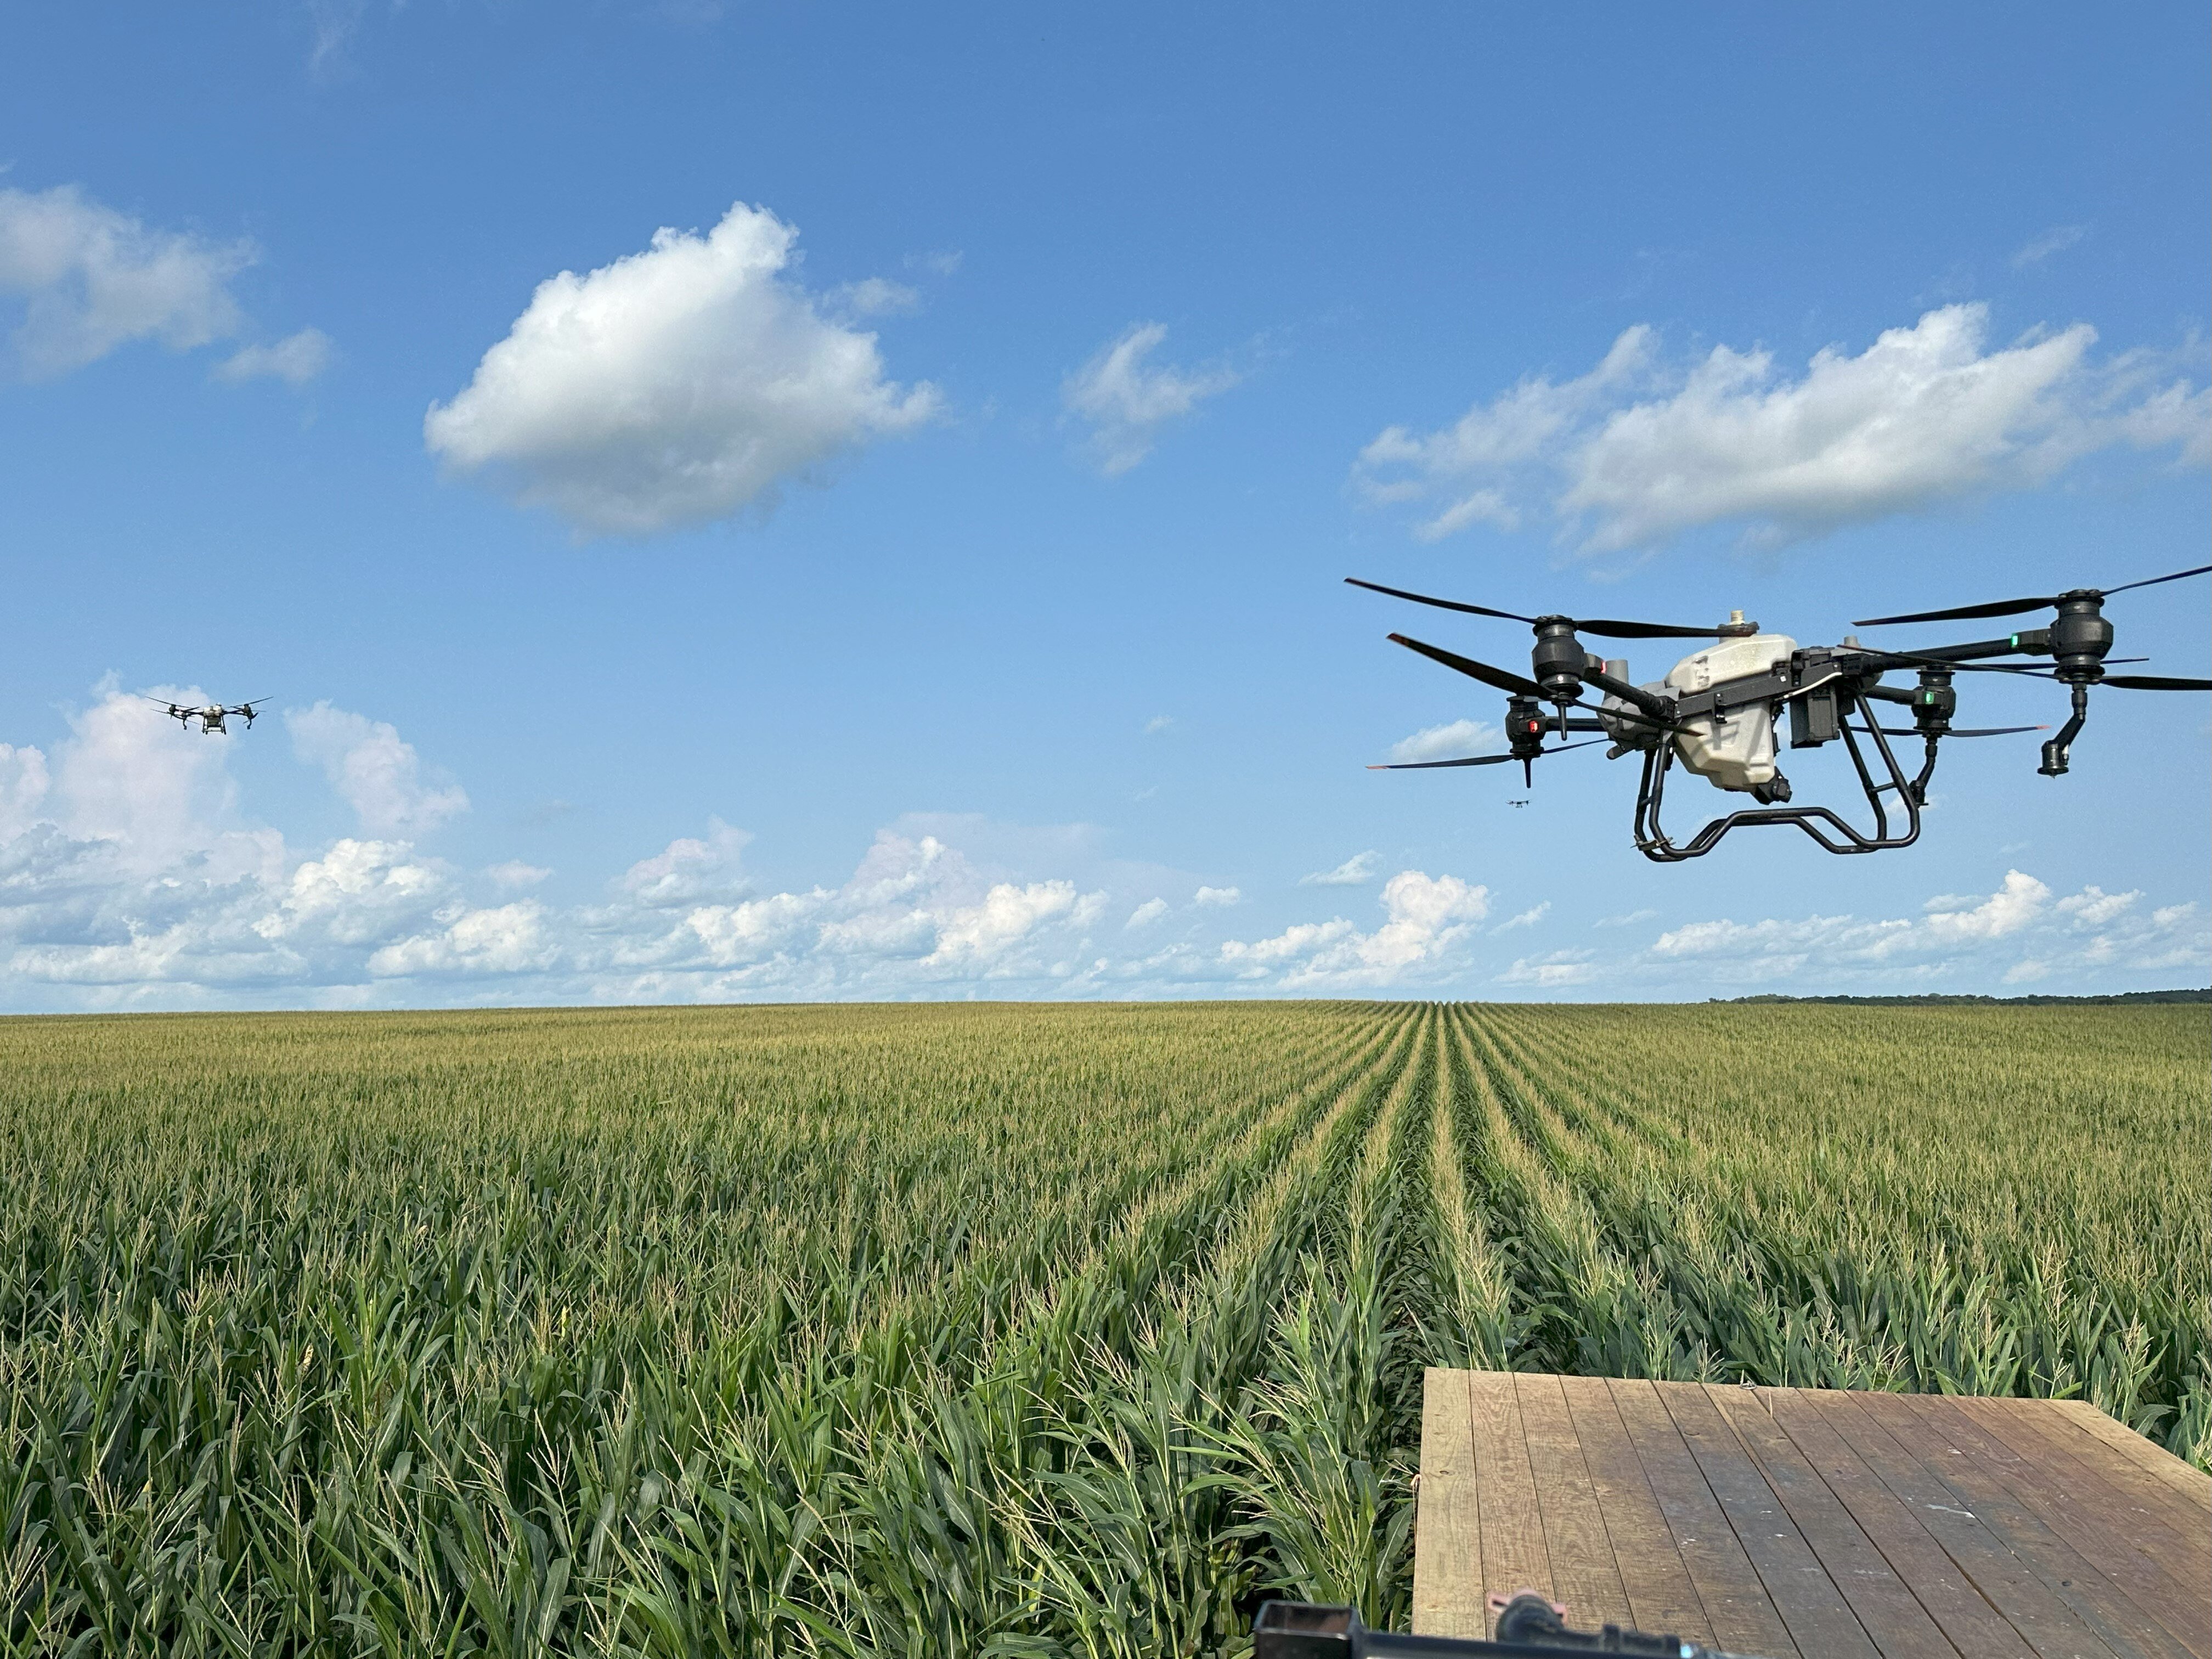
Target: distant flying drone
212, 717
1716, 710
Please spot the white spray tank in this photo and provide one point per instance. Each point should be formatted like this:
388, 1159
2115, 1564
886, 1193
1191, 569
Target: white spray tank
1734, 751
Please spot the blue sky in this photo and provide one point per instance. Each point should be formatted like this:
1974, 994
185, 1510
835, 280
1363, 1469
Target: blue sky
771, 501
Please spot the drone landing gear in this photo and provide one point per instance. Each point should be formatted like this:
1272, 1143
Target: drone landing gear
1911, 793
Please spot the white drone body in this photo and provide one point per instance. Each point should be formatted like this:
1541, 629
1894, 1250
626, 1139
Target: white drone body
1734, 751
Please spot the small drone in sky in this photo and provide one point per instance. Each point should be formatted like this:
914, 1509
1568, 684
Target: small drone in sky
212, 717
1717, 710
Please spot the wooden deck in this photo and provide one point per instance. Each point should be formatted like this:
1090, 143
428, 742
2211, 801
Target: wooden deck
1811, 1523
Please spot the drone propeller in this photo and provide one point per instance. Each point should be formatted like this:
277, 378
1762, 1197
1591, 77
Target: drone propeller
1611, 630
2029, 670
1504, 679
1479, 760
1510, 682
1956, 732
2155, 682
2014, 607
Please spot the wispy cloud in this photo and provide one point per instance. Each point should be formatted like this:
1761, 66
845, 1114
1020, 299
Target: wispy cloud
93, 279
2057, 240
1447, 742
1127, 398
296, 359
1355, 872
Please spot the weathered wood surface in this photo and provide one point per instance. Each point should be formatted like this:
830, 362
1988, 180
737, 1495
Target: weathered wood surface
1804, 1523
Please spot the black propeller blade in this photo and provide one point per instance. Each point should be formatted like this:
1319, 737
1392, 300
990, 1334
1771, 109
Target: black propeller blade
1506, 680
2014, 607
1611, 630
2155, 682
1503, 679
1957, 731
1477, 760
2032, 672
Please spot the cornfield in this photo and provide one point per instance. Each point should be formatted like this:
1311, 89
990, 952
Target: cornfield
991, 1330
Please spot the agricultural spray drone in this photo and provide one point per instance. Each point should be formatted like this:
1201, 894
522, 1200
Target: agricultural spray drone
1718, 710
212, 717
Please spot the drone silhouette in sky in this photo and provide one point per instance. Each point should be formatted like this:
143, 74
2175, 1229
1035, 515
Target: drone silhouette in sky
212, 717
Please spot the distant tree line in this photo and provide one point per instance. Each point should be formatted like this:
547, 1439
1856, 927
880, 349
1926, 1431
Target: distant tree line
1934, 999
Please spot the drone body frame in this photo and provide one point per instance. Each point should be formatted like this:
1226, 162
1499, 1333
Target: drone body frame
1718, 711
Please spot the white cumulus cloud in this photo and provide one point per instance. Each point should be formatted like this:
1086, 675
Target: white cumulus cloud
508, 939
1127, 398
674, 387
376, 772
2018, 931
1220, 897
1425, 918
1639, 450
1007, 914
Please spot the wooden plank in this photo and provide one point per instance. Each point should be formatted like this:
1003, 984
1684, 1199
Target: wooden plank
1970, 1620
1741, 1614
1584, 1575
2042, 1615
2193, 1485
1821, 1621
1447, 1578
2058, 1456
1978, 1493
1514, 1557
1886, 1609
2097, 1522
1661, 1597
